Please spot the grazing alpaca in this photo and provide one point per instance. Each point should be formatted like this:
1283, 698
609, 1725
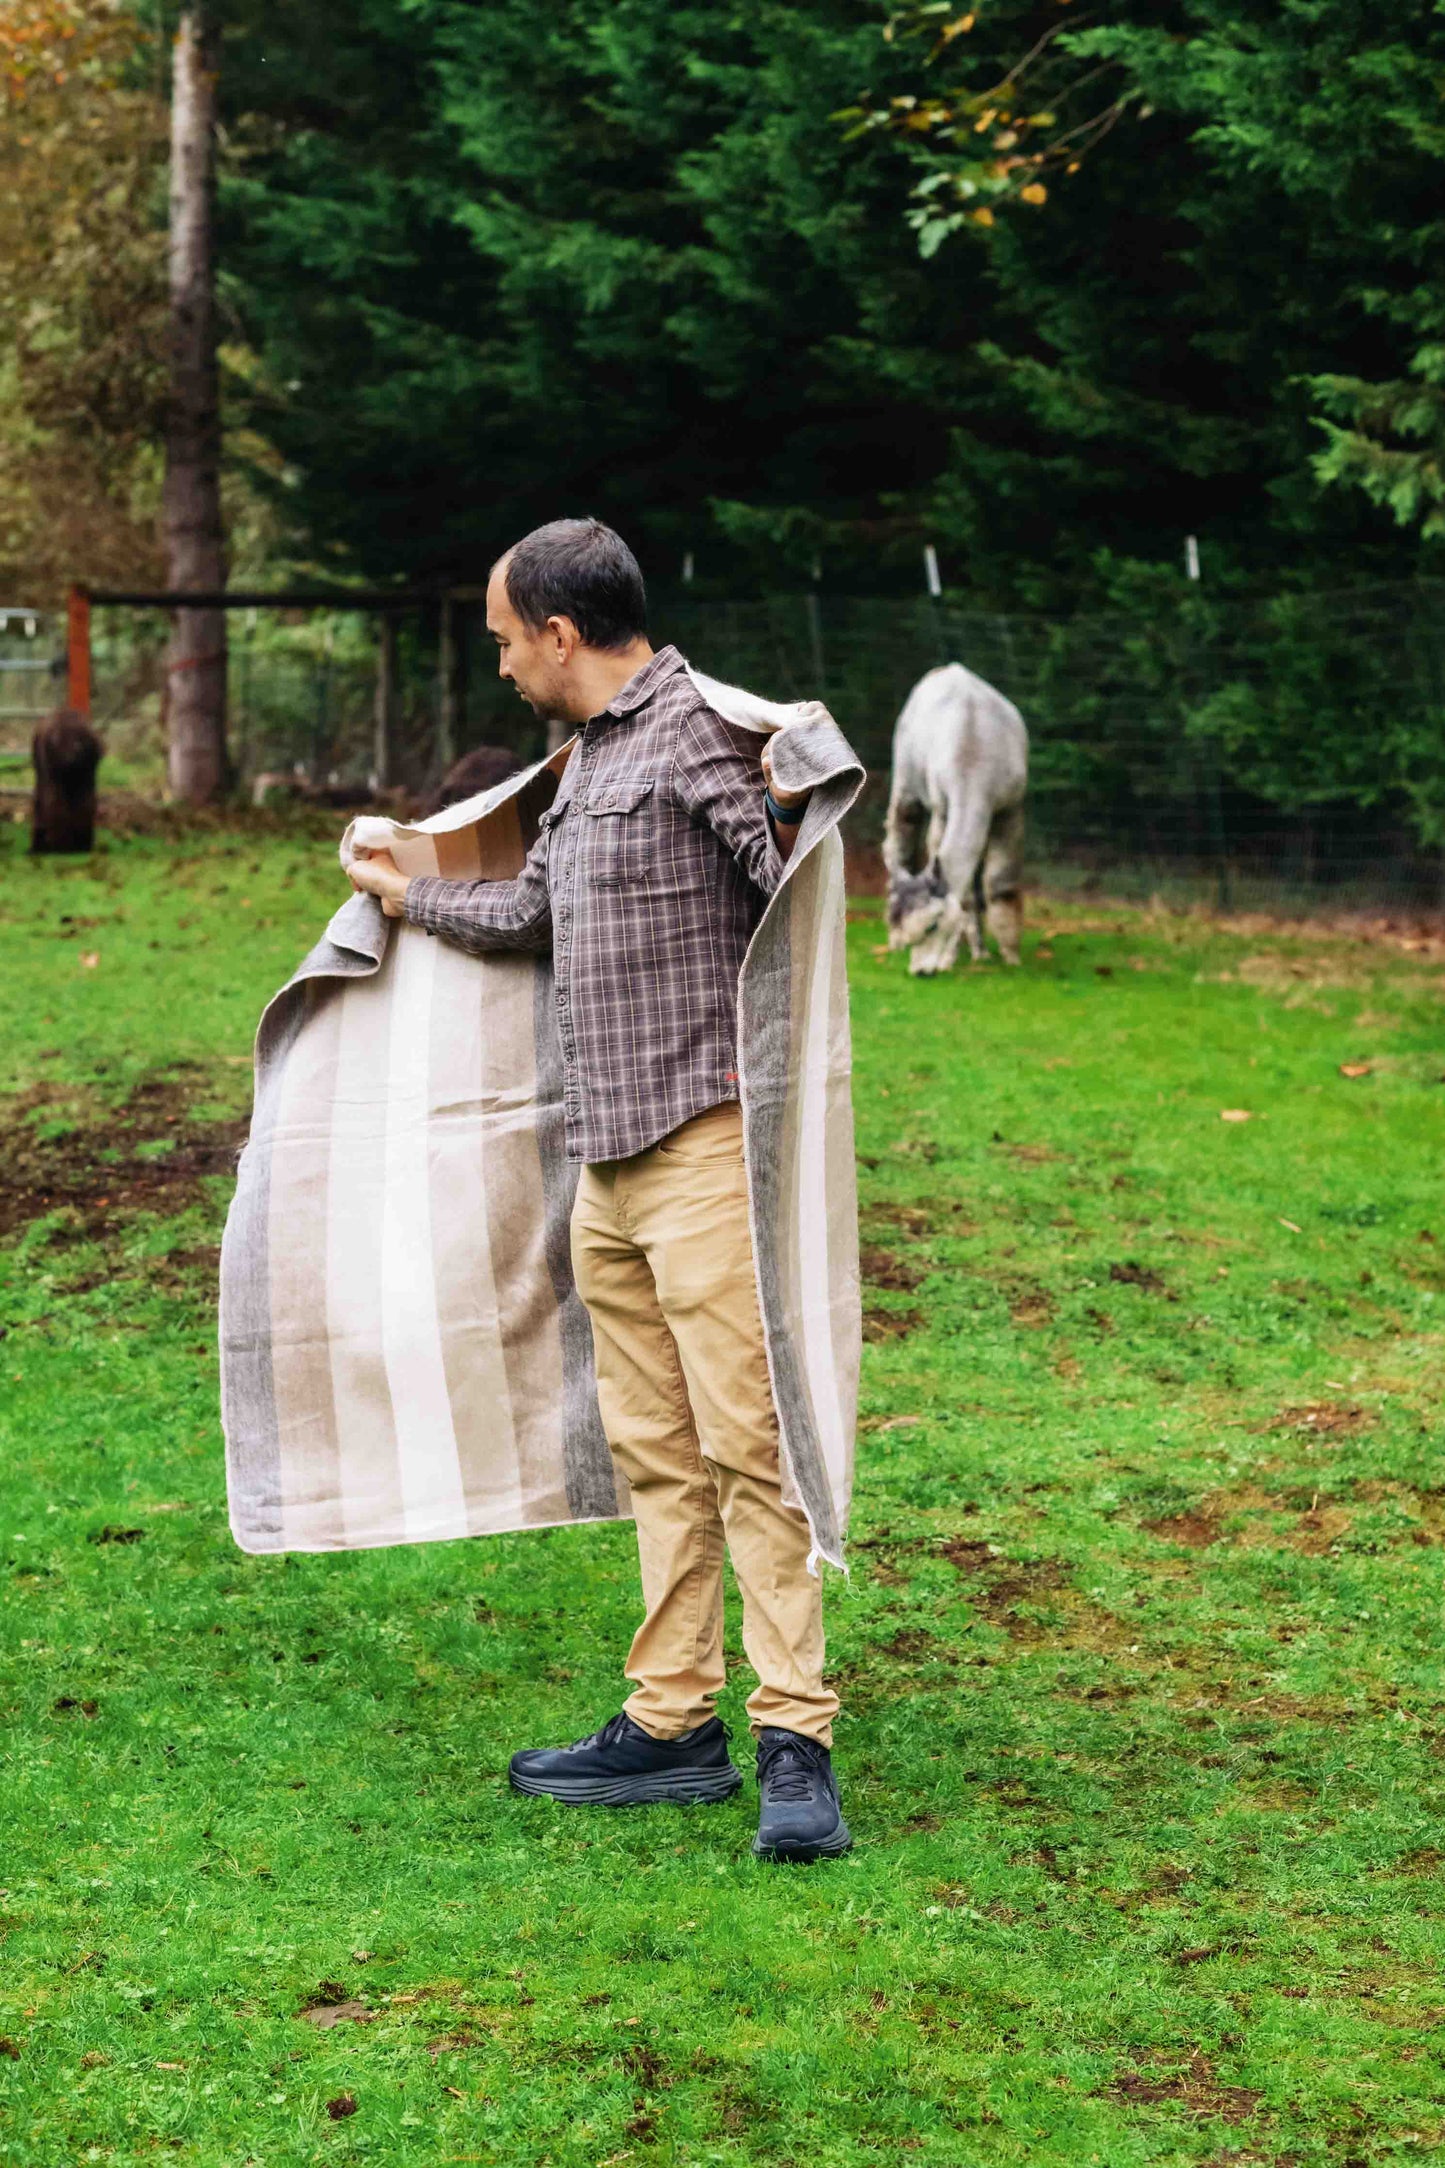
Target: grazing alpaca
953, 844
66, 753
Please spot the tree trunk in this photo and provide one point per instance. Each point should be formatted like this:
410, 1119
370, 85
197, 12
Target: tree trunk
195, 542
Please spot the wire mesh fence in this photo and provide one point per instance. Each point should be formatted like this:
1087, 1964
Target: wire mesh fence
31, 678
1286, 750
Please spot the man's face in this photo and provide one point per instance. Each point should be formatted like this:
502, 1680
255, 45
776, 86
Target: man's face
534, 661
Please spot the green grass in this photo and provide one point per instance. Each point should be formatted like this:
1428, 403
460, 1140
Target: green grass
1140, 1655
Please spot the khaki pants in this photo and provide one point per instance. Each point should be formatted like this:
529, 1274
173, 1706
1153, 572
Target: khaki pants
663, 1255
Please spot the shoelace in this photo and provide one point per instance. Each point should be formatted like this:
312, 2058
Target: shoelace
787, 1770
611, 1730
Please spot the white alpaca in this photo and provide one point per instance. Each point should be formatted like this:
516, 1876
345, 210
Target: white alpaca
953, 843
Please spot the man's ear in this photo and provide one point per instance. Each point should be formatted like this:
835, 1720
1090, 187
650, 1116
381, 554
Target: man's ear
565, 634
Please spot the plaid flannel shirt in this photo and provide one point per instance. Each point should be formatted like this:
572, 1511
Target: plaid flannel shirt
652, 869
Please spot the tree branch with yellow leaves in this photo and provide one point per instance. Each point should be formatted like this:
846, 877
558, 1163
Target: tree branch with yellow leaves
989, 133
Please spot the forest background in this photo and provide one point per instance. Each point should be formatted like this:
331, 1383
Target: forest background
1055, 291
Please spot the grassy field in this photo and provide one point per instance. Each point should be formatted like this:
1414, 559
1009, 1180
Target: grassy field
1140, 1654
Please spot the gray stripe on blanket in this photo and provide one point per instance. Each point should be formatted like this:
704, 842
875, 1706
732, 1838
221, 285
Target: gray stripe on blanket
769, 969
248, 1384
587, 1458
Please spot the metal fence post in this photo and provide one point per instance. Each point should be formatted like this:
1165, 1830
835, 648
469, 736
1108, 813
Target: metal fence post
384, 708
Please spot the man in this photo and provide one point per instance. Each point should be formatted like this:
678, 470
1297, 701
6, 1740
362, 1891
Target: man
650, 875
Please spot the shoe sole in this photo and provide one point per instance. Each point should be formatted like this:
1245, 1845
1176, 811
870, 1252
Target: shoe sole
799, 1855
663, 1787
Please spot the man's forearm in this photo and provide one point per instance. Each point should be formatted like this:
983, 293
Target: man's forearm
785, 818
481, 916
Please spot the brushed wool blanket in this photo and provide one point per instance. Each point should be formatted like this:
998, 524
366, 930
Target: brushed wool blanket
404, 1355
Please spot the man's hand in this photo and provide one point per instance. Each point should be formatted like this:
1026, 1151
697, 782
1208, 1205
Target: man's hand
379, 875
784, 800
786, 807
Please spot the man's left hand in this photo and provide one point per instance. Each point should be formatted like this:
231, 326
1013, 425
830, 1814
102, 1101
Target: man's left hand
379, 875
785, 800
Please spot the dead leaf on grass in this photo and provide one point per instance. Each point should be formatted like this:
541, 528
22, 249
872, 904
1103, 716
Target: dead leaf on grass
1356, 1068
1235, 1114
89, 959
343, 2105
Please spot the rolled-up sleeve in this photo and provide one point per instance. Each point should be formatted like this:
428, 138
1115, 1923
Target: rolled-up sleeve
483, 915
718, 779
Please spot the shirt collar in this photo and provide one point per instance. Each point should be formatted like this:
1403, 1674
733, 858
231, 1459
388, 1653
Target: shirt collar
643, 683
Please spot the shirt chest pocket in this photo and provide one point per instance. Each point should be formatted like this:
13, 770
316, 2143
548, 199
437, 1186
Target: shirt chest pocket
617, 828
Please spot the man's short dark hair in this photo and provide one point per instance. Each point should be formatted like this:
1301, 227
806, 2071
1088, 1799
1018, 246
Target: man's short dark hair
580, 569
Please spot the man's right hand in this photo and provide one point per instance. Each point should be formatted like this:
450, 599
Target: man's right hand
379, 875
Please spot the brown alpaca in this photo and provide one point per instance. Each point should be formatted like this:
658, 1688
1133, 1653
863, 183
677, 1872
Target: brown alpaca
476, 771
66, 753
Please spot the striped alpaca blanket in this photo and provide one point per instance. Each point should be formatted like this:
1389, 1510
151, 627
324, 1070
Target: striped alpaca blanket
404, 1355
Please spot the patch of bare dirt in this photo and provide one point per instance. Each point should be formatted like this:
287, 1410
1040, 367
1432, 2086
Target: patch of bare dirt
1326, 1418
156, 1157
1030, 1305
1003, 1590
915, 1645
886, 1222
1195, 1530
880, 1326
1195, 2087
1132, 1274
885, 1268
1409, 933
1028, 1155
1006, 1591
1317, 1532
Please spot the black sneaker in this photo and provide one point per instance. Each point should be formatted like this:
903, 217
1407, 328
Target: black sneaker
624, 1766
801, 1816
